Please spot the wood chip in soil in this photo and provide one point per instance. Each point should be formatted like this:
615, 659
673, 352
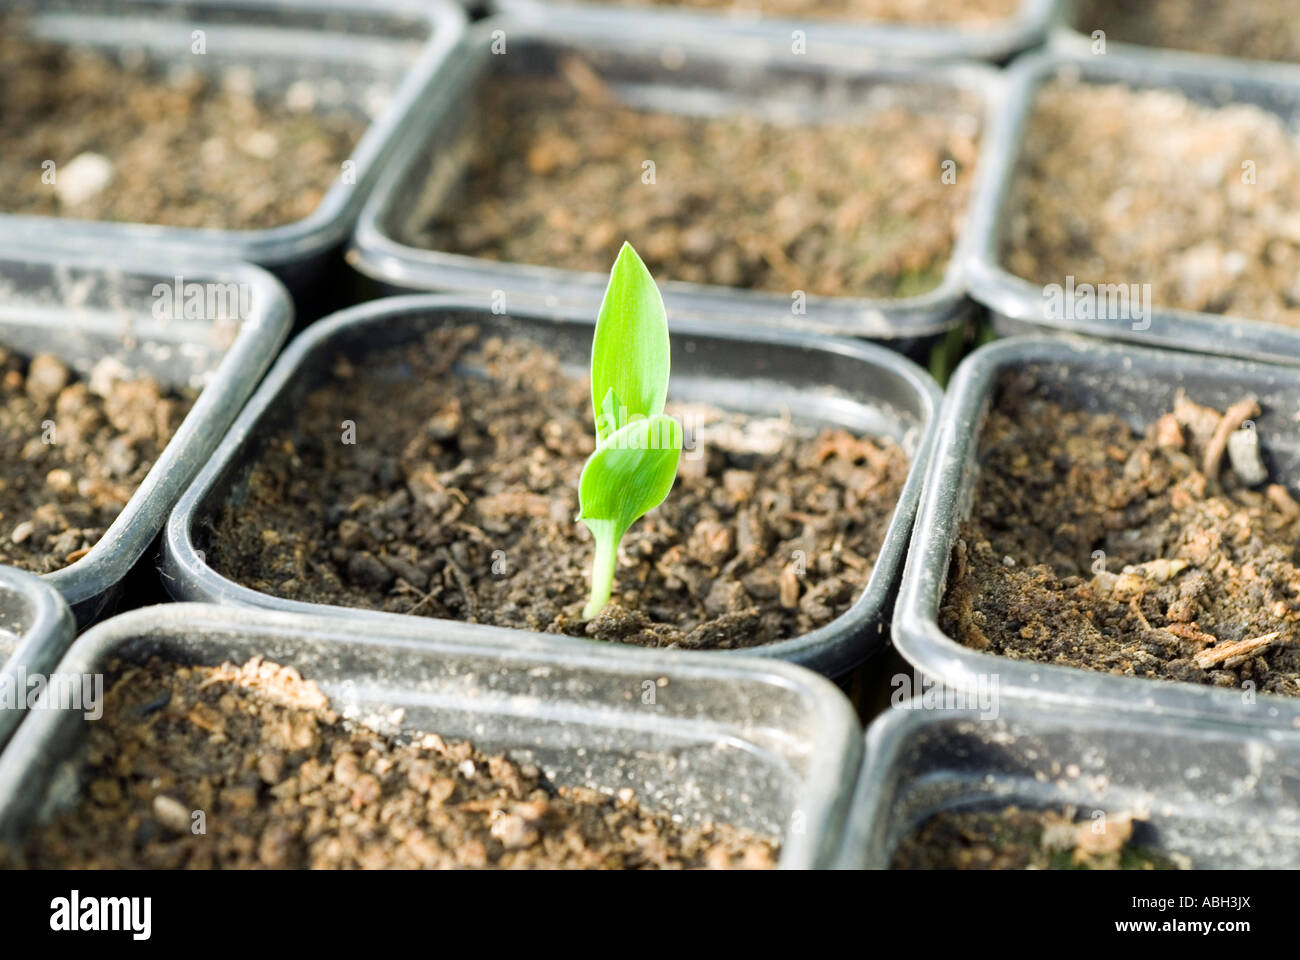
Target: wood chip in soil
282, 782
459, 496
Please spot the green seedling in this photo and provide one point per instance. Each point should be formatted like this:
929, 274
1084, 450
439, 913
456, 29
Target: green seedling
637, 446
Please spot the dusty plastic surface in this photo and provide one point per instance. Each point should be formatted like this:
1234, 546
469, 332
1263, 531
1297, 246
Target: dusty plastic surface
35, 630
658, 73
380, 54
1068, 35
85, 310
754, 743
828, 38
1138, 385
855, 385
1222, 797
1019, 306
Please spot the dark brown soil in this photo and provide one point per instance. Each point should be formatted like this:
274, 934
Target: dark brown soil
459, 496
282, 782
186, 150
1092, 546
1257, 29
856, 207
1017, 839
965, 12
1093, 198
74, 453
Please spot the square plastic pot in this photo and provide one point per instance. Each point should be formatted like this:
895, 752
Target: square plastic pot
658, 74
1137, 385
1220, 796
36, 628
87, 309
846, 383
388, 48
754, 743
1019, 306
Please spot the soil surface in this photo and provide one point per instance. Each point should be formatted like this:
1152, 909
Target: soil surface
1093, 546
965, 12
1257, 29
1093, 198
1018, 839
283, 782
183, 150
856, 207
458, 500
75, 452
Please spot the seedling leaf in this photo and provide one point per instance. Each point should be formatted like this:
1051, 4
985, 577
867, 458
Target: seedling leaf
629, 354
637, 447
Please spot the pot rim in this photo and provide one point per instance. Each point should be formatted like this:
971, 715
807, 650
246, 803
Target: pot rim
30, 761
379, 256
916, 631
190, 578
325, 227
87, 582
1021, 301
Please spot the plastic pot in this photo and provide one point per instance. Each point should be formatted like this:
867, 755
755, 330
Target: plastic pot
996, 41
660, 74
1138, 385
753, 743
35, 630
84, 310
1222, 797
390, 48
1019, 306
852, 384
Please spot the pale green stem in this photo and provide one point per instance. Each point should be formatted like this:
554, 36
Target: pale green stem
602, 567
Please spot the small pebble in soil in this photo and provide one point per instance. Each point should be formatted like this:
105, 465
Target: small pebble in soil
283, 782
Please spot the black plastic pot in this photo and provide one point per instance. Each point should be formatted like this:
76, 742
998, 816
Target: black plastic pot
365, 47
84, 310
1018, 306
666, 76
753, 743
1138, 385
1219, 796
35, 630
813, 379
